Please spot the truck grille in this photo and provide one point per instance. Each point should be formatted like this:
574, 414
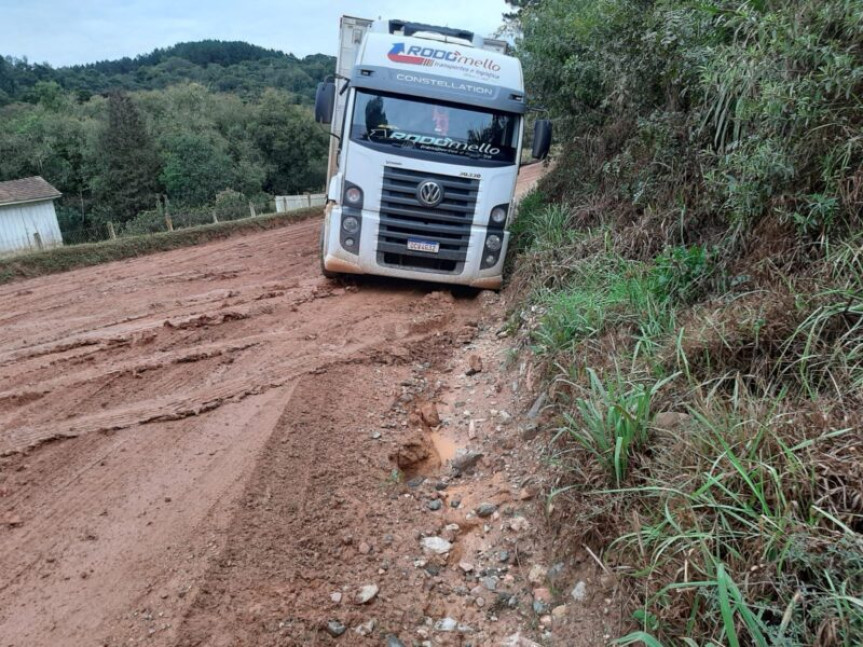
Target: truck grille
403, 217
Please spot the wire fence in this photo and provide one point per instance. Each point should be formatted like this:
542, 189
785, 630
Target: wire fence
165, 218
85, 234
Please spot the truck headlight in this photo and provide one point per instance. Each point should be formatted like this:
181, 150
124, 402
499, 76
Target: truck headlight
498, 215
493, 243
350, 224
354, 196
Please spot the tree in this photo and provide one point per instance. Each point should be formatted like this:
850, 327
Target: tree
130, 164
294, 146
512, 20
196, 167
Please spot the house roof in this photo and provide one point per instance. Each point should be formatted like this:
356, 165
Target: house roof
28, 189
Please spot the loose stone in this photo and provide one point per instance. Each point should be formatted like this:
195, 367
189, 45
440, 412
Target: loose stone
437, 545
366, 594
467, 567
366, 628
486, 510
537, 574
579, 593
446, 624
464, 461
519, 524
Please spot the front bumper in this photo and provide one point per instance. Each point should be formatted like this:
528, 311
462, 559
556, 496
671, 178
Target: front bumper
338, 259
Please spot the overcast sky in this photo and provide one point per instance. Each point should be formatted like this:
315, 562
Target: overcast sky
68, 32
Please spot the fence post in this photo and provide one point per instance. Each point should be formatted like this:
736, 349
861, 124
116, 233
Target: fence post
111, 231
215, 218
168, 222
38, 238
252, 210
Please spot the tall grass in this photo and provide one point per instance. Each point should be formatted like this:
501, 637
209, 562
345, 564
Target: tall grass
612, 421
741, 525
750, 504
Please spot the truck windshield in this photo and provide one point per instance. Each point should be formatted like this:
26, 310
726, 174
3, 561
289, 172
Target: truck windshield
428, 129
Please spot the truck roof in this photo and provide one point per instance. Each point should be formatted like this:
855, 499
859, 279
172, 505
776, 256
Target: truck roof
449, 71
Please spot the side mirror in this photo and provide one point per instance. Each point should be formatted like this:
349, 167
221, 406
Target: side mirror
325, 101
541, 139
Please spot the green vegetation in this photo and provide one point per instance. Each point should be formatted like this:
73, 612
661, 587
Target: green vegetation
223, 66
693, 279
166, 131
63, 259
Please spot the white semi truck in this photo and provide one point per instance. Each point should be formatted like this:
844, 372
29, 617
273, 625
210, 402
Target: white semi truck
427, 126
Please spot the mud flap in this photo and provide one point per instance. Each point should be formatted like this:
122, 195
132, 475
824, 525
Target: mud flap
327, 273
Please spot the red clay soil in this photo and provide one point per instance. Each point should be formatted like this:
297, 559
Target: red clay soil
210, 446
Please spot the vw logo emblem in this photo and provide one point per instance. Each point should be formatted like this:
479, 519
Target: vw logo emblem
429, 193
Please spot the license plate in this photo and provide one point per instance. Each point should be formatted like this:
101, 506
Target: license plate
416, 245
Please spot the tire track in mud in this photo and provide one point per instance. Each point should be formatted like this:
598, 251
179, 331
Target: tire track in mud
91, 302
97, 533
185, 366
166, 377
309, 497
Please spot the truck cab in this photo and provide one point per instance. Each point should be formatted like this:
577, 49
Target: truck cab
427, 126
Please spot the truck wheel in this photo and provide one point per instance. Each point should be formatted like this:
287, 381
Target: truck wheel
327, 273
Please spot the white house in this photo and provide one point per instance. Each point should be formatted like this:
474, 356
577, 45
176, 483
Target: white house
27, 217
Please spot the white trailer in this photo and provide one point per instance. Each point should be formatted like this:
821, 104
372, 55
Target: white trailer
427, 126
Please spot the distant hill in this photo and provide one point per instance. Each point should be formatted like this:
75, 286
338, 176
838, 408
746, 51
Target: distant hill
223, 66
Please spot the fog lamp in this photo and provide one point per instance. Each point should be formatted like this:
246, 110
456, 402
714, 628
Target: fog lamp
493, 242
350, 224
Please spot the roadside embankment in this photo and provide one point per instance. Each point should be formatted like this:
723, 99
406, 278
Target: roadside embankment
688, 289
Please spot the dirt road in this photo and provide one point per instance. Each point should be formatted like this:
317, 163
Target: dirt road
210, 447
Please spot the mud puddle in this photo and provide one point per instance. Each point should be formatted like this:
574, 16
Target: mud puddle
444, 446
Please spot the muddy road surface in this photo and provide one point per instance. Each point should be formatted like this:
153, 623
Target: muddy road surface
217, 446
137, 400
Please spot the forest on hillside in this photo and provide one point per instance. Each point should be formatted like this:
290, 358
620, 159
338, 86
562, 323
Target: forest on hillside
195, 128
222, 66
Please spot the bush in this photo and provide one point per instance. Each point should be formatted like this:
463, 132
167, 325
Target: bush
680, 274
231, 205
146, 222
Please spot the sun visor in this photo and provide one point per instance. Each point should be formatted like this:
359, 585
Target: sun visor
440, 70
431, 86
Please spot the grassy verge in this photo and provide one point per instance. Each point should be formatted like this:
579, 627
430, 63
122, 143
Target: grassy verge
62, 259
706, 428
